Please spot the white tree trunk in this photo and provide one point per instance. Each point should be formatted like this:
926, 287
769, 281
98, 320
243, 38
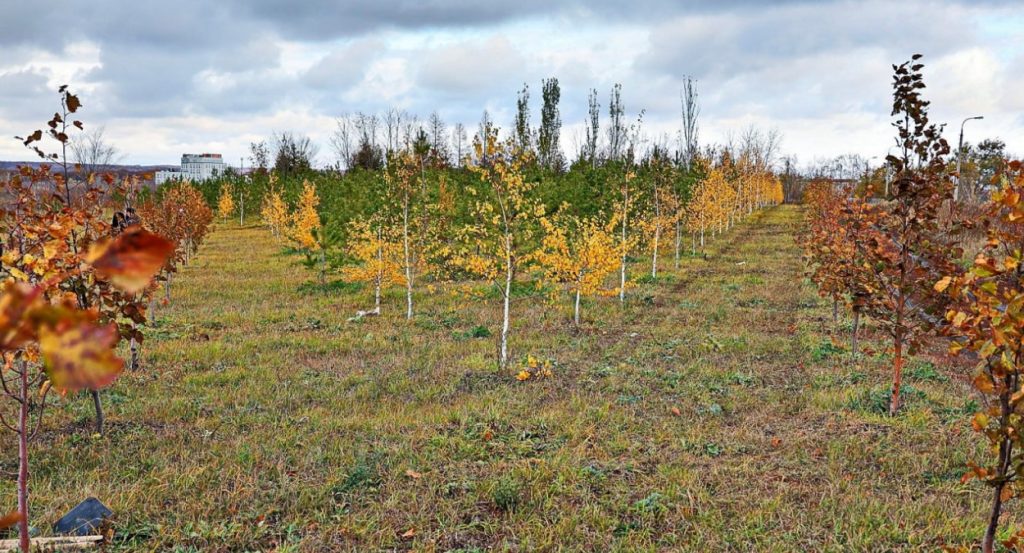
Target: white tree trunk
654, 253
505, 318
376, 295
576, 310
622, 269
408, 263
678, 241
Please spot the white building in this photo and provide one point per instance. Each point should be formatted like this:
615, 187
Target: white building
194, 168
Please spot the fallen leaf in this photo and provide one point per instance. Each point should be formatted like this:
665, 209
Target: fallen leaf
10, 519
676, 411
412, 474
409, 533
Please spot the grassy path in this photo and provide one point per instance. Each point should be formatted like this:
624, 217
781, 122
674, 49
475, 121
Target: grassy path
714, 412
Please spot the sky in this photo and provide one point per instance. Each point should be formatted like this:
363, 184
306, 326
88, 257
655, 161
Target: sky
166, 78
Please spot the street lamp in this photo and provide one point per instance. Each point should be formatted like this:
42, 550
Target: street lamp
960, 155
888, 170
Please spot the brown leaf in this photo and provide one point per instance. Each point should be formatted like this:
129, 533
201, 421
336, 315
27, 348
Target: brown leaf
409, 533
413, 474
73, 103
132, 259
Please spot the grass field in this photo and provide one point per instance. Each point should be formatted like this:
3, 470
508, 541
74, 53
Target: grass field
715, 412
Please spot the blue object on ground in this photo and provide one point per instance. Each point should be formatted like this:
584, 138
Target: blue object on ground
84, 519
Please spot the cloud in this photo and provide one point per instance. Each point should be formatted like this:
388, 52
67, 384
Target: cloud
817, 70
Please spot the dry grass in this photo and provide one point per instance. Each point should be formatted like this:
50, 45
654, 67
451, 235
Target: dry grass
263, 421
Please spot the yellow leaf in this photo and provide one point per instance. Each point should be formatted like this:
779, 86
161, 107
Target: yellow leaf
984, 383
941, 285
523, 375
80, 355
18, 274
979, 422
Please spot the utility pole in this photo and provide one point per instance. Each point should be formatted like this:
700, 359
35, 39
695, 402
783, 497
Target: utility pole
960, 155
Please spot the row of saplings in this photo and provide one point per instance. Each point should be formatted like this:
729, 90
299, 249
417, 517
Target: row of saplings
79, 259
513, 233
897, 260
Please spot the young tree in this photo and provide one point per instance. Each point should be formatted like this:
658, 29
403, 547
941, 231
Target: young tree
690, 112
616, 126
226, 201
375, 246
306, 229
626, 240
910, 250
50, 342
405, 169
987, 319
593, 128
662, 208
549, 152
580, 253
497, 245
524, 132
710, 205
275, 211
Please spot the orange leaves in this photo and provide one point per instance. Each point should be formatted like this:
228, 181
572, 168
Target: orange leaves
132, 259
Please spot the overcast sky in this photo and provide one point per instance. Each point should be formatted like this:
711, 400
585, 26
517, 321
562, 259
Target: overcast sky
210, 76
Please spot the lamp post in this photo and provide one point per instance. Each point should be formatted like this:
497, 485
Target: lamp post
960, 155
888, 170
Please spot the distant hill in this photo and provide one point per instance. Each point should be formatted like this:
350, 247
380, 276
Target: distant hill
12, 165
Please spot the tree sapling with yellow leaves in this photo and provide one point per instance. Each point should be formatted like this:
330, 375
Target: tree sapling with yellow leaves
375, 246
226, 202
580, 253
497, 245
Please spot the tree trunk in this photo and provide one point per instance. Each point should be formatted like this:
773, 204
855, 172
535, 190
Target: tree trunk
693, 244
503, 353
376, 295
99, 410
1005, 448
322, 277
576, 310
678, 242
856, 325
897, 376
23, 536
408, 263
835, 310
133, 346
167, 287
654, 253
